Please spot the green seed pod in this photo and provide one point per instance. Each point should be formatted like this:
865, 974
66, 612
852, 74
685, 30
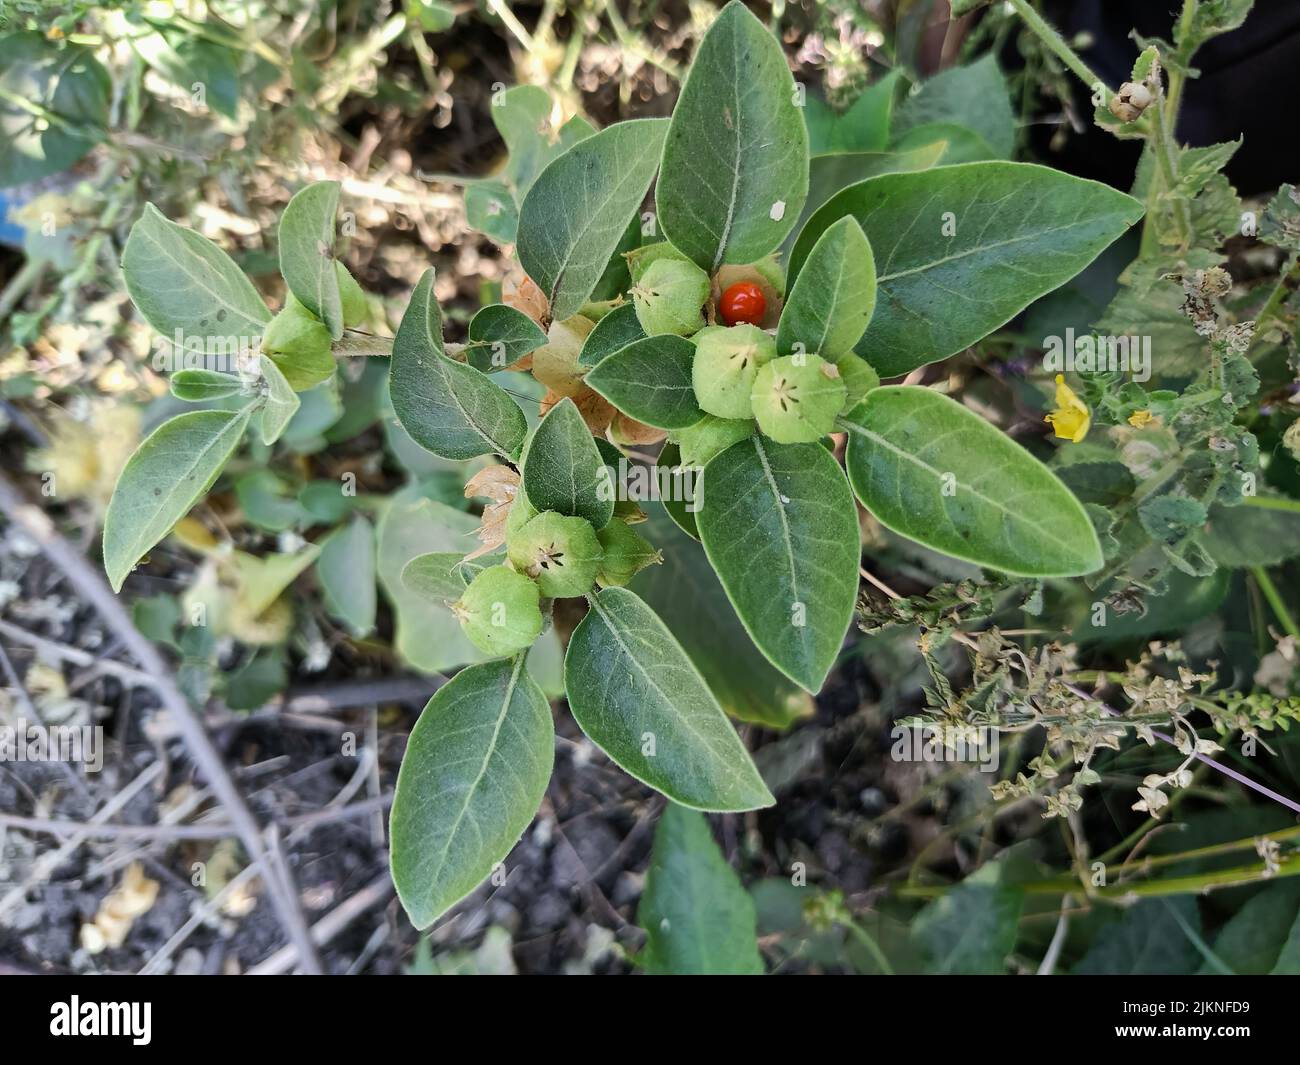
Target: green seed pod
562, 554
626, 554
727, 360
521, 513
859, 378
299, 344
500, 611
555, 363
669, 297
709, 436
797, 397
356, 309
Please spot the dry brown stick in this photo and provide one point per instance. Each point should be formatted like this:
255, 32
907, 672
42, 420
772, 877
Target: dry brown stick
331, 924
51, 860
88, 582
201, 830
75, 655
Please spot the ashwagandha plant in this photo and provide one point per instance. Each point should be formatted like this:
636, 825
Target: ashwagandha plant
746, 366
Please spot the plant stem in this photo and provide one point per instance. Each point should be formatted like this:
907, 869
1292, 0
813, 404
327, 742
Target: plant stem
1272, 503
1177, 79
1275, 600
1054, 41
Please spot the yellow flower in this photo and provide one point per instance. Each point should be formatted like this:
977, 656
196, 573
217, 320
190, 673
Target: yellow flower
1139, 418
1071, 419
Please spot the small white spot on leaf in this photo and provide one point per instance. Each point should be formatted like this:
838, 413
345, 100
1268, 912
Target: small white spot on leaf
778, 211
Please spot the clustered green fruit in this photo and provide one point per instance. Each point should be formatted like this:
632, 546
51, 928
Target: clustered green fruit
727, 360
299, 345
562, 554
500, 611
670, 297
710, 436
626, 554
796, 398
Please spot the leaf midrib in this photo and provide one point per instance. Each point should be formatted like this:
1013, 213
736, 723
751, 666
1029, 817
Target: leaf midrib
607, 619
487, 758
196, 280
1018, 516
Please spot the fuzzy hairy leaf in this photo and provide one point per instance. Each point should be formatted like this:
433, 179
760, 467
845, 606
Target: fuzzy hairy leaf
346, 568
447, 407
563, 470
577, 210
307, 252
619, 328
165, 477
475, 771
183, 283
650, 380
281, 404
831, 302
934, 471
638, 697
974, 96
735, 163
686, 593
778, 524
960, 250
698, 918
499, 336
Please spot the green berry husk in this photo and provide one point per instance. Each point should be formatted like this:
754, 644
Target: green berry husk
670, 297
356, 308
562, 554
626, 554
500, 611
299, 345
796, 398
710, 436
727, 360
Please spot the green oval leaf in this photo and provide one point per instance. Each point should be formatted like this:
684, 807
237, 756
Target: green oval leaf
499, 336
475, 771
68, 82
563, 470
188, 288
202, 386
960, 250
779, 526
282, 402
346, 568
831, 302
636, 694
650, 380
447, 407
619, 328
974, 96
735, 165
937, 473
307, 252
577, 210
686, 593
163, 480
698, 918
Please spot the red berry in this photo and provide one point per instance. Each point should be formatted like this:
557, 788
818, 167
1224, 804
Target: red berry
743, 302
